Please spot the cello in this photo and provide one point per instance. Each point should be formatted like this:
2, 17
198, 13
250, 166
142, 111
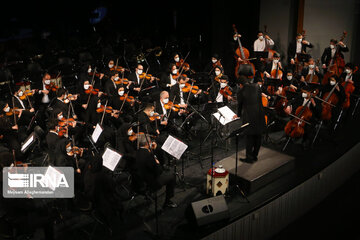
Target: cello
313, 78
349, 88
243, 53
330, 100
336, 65
295, 127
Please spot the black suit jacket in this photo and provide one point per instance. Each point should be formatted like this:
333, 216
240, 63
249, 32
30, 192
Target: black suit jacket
326, 56
60, 105
292, 49
110, 89
250, 108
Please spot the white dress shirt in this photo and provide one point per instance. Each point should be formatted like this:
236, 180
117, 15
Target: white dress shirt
260, 45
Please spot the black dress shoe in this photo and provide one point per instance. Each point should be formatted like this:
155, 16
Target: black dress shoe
170, 204
247, 160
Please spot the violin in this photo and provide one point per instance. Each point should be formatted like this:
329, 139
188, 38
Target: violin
148, 76
26, 93
92, 90
226, 92
69, 122
184, 65
190, 88
108, 109
154, 117
172, 106
134, 136
119, 69
349, 88
75, 150
12, 111
51, 87
244, 54
124, 81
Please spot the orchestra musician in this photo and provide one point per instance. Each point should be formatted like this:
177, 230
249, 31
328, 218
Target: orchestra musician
263, 42
216, 95
297, 47
311, 69
169, 78
329, 53
111, 87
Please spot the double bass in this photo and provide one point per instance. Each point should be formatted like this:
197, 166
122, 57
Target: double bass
330, 100
244, 54
349, 88
336, 65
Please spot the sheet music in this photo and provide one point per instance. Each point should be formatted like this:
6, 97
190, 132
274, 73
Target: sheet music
27, 143
52, 173
97, 132
174, 147
111, 158
226, 115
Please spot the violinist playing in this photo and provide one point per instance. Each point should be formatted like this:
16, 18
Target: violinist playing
22, 101
210, 66
126, 104
111, 87
221, 92
169, 77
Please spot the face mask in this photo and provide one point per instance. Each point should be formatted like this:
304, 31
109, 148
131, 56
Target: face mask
7, 109
332, 83
68, 149
111, 65
222, 85
116, 78
261, 37
332, 46
311, 66
304, 95
182, 85
166, 100
89, 70
260, 85
217, 73
276, 60
151, 113
213, 60
60, 117
177, 59
139, 71
299, 40
86, 86
174, 71
347, 70
47, 82
98, 105
121, 93
289, 77
130, 132
66, 101
20, 93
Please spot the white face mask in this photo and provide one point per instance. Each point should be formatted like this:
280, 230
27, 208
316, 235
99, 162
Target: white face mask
332, 83
182, 85
217, 73
151, 113
299, 40
177, 59
89, 70
98, 105
86, 86
111, 65
139, 71
222, 85
289, 77
130, 132
66, 100
304, 95
20, 93
121, 93
174, 71
7, 109
213, 60
47, 82
166, 100
261, 37
60, 117
332, 46
311, 66
116, 78
68, 149
276, 60
347, 70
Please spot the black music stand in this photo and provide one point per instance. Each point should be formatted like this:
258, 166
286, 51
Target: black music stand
236, 133
303, 57
261, 54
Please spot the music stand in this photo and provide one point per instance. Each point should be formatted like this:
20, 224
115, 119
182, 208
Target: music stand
30, 140
302, 57
236, 134
261, 54
272, 82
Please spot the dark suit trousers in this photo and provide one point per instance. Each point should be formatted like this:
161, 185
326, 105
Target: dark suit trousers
169, 180
253, 144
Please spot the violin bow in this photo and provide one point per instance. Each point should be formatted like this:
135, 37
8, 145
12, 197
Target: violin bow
75, 155
184, 59
122, 105
92, 84
142, 82
212, 69
187, 100
102, 118
13, 102
168, 115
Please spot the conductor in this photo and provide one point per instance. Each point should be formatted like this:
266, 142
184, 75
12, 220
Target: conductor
250, 109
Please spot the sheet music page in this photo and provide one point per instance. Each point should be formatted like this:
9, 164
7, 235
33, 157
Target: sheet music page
27, 143
111, 158
97, 132
52, 173
174, 147
226, 115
